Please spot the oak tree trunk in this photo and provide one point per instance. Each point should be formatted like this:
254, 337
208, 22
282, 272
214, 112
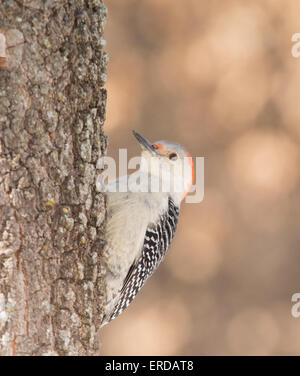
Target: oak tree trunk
52, 110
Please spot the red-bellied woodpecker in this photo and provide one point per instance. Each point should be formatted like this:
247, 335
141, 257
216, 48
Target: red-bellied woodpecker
142, 213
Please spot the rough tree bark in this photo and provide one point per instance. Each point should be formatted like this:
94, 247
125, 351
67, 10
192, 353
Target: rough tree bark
52, 110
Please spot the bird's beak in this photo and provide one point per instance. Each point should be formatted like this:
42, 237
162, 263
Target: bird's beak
145, 143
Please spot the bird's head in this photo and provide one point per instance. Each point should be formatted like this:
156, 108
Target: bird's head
169, 163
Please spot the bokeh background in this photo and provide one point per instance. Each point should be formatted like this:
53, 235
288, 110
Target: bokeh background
219, 78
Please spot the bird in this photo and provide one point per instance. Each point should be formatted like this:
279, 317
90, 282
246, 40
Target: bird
142, 216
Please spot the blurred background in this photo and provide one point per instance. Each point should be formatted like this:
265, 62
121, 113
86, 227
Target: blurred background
220, 79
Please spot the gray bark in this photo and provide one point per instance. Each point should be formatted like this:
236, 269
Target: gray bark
52, 110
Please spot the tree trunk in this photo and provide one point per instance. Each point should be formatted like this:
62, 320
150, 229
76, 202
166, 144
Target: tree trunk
52, 110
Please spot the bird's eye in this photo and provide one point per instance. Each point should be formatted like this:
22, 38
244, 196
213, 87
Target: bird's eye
155, 146
173, 156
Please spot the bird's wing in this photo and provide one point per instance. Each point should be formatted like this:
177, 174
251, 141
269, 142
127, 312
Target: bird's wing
128, 277
156, 243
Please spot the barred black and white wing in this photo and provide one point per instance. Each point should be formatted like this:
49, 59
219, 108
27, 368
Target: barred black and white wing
157, 240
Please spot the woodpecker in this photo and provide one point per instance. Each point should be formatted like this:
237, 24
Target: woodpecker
142, 215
